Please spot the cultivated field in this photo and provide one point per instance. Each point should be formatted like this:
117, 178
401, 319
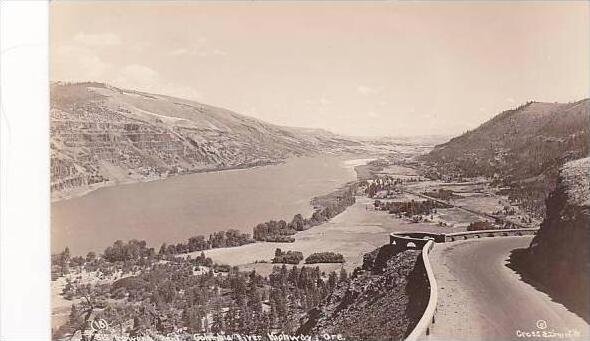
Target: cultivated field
356, 231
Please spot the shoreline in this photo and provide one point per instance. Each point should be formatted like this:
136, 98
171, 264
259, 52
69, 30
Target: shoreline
82, 191
349, 162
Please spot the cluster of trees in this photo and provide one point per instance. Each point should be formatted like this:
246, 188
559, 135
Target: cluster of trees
506, 211
529, 196
130, 251
289, 257
380, 184
135, 253
387, 183
442, 194
281, 231
324, 257
275, 231
60, 263
480, 225
294, 292
409, 208
202, 260
168, 296
229, 238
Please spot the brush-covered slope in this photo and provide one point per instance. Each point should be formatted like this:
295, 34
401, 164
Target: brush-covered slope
384, 301
523, 147
102, 134
521, 143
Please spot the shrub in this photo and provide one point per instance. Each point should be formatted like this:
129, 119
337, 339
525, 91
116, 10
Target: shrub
289, 257
480, 225
324, 257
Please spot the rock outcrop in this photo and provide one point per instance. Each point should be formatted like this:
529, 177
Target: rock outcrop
559, 255
105, 135
383, 301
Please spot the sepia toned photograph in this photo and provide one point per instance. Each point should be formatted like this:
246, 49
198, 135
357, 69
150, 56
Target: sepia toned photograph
319, 171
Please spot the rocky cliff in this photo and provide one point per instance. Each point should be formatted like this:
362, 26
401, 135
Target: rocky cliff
383, 301
105, 135
559, 255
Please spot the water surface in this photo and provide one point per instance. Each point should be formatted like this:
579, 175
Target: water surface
174, 209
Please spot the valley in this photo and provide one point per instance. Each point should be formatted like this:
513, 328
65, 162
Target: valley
188, 196
104, 136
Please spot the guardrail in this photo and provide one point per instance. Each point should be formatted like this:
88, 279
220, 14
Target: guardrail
426, 241
450, 237
424, 324
411, 240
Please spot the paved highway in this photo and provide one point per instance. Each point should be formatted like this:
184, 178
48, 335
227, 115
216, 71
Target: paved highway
480, 298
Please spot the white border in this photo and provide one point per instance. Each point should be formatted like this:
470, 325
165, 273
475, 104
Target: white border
24, 171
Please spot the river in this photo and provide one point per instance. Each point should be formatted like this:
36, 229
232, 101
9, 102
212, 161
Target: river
173, 209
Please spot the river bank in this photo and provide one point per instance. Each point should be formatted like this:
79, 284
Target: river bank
57, 196
173, 209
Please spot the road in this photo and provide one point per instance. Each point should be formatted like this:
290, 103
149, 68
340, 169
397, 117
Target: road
480, 298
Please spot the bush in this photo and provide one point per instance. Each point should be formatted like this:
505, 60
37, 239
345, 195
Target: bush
222, 267
279, 239
480, 225
272, 229
289, 257
324, 257
442, 194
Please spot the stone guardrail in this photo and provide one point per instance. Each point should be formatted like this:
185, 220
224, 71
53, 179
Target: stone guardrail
450, 237
426, 241
423, 326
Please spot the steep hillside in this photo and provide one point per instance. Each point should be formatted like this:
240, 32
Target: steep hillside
101, 134
391, 289
523, 148
559, 255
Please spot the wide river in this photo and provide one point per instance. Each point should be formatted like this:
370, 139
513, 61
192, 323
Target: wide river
171, 210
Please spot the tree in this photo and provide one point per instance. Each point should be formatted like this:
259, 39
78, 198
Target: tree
90, 257
64, 261
298, 223
218, 324
332, 280
163, 249
343, 275
192, 318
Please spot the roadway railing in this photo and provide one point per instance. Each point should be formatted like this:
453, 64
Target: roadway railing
450, 237
423, 326
426, 241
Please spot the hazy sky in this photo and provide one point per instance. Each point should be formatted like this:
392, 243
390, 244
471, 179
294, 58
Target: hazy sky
384, 68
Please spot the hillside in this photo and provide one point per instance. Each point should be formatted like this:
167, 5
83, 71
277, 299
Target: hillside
390, 289
105, 135
521, 148
559, 255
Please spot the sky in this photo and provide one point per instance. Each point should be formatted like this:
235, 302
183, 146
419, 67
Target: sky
363, 69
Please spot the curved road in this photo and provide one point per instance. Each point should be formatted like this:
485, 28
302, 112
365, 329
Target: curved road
480, 298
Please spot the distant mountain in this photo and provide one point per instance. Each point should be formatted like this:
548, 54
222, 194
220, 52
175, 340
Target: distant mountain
519, 146
102, 134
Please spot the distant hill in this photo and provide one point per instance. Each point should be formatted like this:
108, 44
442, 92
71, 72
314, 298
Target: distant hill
102, 134
519, 147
